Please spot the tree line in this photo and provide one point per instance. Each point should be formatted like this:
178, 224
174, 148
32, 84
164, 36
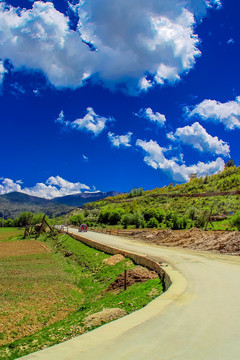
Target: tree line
24, 219
147, 218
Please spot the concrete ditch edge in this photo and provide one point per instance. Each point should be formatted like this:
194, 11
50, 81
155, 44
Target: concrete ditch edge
145, 261
79, 346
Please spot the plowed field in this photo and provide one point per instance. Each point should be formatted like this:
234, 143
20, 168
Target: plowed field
22, 247
34, 290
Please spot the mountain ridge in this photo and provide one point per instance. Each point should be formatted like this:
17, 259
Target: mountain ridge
14, 203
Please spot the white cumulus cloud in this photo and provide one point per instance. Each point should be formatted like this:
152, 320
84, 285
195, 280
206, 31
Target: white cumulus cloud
135, 43
90, 122
156, 117
8, 185
227, 113
196, 136
53, 187
155, 158
120, 140
2, 71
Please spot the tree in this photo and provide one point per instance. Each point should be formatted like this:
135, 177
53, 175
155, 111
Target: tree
153, 223
76, 219
37, 218
160, 215
149, 213
126, 220
103, 216
114, 217
229, 163
25, 218
9, 223
235, 220
137, 219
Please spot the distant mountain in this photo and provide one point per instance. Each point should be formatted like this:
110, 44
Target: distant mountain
14, 203
82, 198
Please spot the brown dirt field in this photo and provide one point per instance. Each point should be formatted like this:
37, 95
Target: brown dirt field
137, 275
103, 316
224, 242
34, 290
6, 233
113, 260
22, 247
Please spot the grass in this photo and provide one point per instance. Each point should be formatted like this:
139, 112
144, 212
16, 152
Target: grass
6, 234
70, 288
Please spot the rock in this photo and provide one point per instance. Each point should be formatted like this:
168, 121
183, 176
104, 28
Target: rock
68, 253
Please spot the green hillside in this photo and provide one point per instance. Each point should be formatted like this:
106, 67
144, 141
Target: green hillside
217, 195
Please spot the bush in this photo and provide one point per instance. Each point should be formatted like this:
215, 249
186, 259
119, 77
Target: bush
37, 218
235, 220
114, 217
111, 217
157, 213
103, 216
199, 221
153, 223
174, 222
9, 223
132, 219
126, 220
76, 219
25, 218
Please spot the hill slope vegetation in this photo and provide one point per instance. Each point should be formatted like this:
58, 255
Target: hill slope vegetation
177, 207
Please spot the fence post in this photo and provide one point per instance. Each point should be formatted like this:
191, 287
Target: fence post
125, 280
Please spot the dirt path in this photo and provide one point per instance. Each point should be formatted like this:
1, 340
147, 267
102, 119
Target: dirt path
197, 318
224, 242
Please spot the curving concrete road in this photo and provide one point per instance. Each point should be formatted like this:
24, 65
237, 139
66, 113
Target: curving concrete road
198, 318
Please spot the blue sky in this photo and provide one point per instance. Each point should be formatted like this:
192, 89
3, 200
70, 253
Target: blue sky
111, 95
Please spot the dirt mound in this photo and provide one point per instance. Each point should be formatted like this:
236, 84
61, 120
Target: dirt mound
103, 316
137, 275
115, 259
22, 247
221, 241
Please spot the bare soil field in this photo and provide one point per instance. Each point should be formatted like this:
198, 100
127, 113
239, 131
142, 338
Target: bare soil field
6, 233
34, 290
137, 275
224, 242
22, 247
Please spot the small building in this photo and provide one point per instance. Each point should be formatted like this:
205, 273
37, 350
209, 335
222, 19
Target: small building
193, 176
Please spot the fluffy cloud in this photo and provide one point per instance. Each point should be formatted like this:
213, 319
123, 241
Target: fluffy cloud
148, 114
120, 140
155, 158
8, 185
90, 122
54, 187
2, 71
138, 44
227, 113
196, 136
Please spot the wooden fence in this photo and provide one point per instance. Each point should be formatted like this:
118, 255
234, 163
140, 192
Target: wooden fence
117, 232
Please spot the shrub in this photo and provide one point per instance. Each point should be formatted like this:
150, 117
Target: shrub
76, 219
126, 220
25, 218
137, 219
174, 222
153, 223
157, 213
235, 220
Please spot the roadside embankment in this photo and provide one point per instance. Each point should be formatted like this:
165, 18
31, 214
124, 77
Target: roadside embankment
137, 258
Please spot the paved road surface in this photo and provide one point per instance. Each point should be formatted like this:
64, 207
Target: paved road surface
198, 318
